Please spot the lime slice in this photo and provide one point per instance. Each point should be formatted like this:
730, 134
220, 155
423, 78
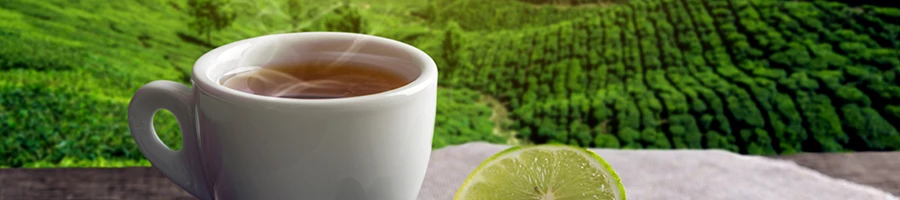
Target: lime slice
543, 172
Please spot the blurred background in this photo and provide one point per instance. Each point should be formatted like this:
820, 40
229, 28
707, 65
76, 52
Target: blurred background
760, 77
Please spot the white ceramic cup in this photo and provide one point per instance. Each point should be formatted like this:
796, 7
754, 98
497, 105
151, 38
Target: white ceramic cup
239, 146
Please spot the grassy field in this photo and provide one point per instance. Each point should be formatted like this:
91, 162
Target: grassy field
749, 76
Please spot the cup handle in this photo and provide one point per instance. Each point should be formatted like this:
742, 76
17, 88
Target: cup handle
183, 167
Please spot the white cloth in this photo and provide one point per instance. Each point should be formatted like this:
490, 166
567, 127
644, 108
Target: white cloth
671, 175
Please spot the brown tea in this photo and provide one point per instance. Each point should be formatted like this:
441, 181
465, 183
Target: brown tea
316, 80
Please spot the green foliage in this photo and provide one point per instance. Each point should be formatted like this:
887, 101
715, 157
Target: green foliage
463, 117
60, 123
753, 77
606, 141
572, 2
346, 18
298, 12
25, 51
871, 131
95, 163
494, 15
209, 15
71, 68
68, 69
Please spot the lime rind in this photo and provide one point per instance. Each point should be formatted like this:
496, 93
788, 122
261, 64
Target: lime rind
610, 173
482, 165
515, 151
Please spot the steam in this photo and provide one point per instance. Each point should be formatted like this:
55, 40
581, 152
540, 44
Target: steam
254, 75
357, 44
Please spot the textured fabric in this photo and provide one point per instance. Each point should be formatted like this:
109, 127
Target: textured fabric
671, 175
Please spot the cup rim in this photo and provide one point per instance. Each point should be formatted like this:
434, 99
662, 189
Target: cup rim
201, 80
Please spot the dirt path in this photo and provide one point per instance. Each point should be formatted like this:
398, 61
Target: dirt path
500, 116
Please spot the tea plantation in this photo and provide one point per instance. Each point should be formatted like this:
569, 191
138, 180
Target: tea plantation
755, 77
749, 76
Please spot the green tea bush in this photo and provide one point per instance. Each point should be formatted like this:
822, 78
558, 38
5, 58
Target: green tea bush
572, 2
462, 117
42, 123
495, 15
36, 52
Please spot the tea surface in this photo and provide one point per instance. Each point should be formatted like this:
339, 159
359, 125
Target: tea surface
316, 80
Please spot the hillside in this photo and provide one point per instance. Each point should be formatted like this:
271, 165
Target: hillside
67, 73
69, 68
754, 77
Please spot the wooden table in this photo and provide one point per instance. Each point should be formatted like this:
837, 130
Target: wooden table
881, 170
